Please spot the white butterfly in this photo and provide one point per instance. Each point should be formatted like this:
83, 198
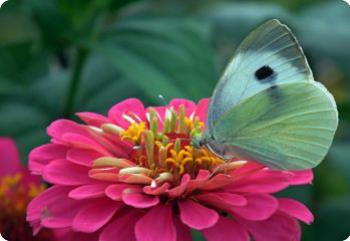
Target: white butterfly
348, 239
347, 1
267, 106
1, 238
1, 3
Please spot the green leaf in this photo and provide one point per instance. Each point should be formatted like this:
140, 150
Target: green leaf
27, 110
339, 159
332, 220
161, 57
22, 63
102, 86
17, 28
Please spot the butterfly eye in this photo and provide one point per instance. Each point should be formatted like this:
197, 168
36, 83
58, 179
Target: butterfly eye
264, 72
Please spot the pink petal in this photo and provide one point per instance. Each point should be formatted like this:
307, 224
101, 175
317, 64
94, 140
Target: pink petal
182, 231
135, 198
28, 179
80, 141
62, 172
295, 209
42, 155
121, 227
77, 135
197, 216
201, 179
124, 148
127, 107
36, 226
202, 108
9, 157
54, 208
83, 157
95, 215
34, 208
259, 207
116, 149
107, 174
218, 181
264, 181
189, 105
135, 179
157, 190
180, 189
69, 235
226, 230
246, 170
156, 225
279, 227
115, 191
301, 177
60, 127
93, 119
88, 191
223, 201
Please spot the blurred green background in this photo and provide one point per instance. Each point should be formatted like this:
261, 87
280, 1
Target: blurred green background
62, 56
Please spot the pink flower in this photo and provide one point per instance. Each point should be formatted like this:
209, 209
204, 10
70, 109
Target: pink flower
134, 175
17, 189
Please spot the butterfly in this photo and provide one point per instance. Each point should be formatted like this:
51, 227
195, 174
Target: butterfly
267, 107
347, 1
1, 3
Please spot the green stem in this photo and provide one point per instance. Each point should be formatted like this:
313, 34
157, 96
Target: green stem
74, 83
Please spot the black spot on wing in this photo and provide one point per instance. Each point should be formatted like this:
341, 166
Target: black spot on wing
264, 73
274, 92
273, 87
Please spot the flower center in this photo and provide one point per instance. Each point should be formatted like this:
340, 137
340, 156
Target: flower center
166, 147
15, 194
162, 148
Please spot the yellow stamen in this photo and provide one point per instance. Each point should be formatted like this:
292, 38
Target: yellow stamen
181, 119
15, 195
163, 155
134, 132
149, 142
172, 121
166, 125
177, 146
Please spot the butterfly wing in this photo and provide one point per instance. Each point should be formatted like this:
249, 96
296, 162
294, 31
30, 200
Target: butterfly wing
267, 106
293, 131
270, 49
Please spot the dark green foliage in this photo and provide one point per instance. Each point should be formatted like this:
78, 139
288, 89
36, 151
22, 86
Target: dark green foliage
58, 57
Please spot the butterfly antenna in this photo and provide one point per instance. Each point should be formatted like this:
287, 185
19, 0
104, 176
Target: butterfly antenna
163, 100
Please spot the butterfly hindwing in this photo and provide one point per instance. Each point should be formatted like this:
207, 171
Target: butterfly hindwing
292, 132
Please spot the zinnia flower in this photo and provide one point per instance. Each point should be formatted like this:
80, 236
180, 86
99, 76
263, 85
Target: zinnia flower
135, 176
17, 189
